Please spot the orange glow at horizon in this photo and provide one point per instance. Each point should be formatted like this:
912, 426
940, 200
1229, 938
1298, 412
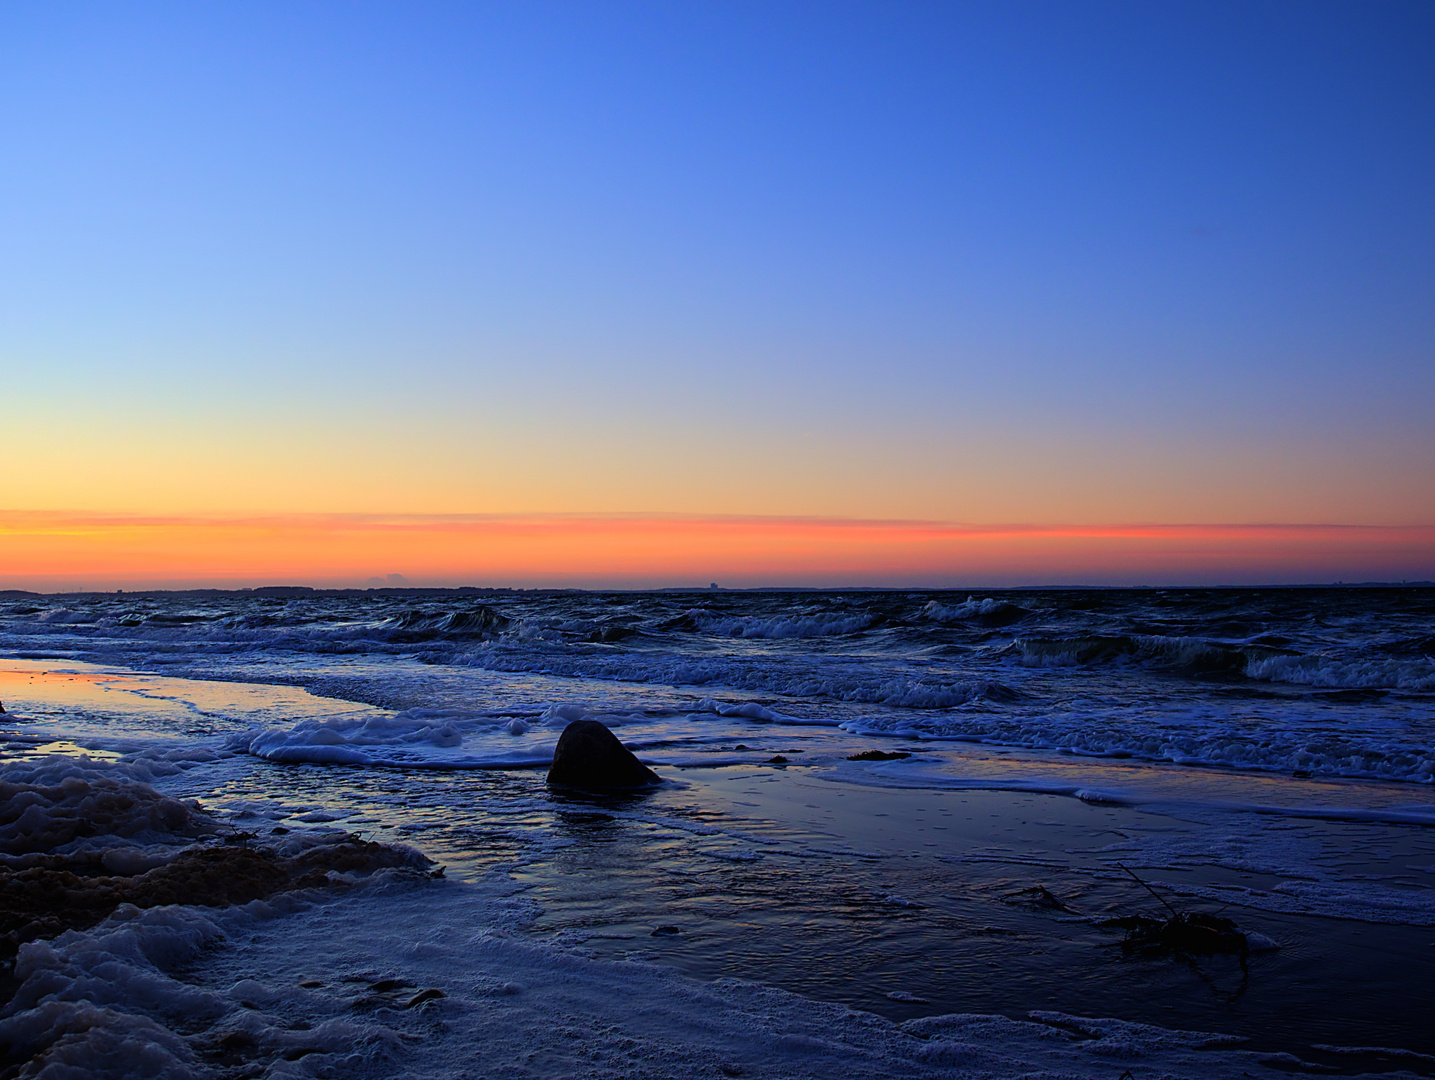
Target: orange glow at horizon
47, 551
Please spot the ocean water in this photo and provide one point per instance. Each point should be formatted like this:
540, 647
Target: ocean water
1267, 754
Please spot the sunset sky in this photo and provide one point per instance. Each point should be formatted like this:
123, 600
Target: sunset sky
656, 294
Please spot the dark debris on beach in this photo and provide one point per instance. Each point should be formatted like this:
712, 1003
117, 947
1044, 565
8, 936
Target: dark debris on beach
1187, 933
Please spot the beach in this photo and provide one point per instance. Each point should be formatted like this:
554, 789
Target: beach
942, 904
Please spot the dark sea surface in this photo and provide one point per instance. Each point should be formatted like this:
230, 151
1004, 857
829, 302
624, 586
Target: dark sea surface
1262, 753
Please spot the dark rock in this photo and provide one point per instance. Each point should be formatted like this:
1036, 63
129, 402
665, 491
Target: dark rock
777, 759
666, 931
589, 756
879, 755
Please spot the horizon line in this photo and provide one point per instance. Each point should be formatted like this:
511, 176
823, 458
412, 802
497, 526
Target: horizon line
64, 551
274, 590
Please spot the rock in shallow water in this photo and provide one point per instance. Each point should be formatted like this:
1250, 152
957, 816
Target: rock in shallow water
589, 756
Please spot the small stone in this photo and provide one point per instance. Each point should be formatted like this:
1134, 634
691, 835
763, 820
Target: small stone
777, 759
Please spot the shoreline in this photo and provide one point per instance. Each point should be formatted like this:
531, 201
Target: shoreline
397, 976
875, 894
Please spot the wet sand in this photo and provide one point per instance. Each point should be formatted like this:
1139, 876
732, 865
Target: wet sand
833, 880
909, 903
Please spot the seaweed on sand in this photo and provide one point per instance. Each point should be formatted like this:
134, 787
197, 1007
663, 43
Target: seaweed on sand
1192, 933
1187, 936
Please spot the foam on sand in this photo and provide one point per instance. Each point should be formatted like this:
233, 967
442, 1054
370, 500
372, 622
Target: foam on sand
354, 961
347, 987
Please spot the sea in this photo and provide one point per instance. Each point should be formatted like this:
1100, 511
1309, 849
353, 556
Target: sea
900, 832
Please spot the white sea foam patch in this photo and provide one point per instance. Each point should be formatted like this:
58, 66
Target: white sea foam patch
1411, 674
986, 608
66, 615
751, 710
418, 738
108, 1003
436, 982
61, 805
822, 624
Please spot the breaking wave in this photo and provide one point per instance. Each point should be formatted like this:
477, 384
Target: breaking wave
826, 624
988, 611
1197, 656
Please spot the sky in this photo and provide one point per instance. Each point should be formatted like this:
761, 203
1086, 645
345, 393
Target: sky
644, 271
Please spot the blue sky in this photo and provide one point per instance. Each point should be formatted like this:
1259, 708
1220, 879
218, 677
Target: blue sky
1004, 262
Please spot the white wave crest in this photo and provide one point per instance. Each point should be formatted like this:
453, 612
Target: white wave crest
419, 738
971, 608
786, 626
1319, 671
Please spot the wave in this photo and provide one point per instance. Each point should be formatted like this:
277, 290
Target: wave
1319, 671
66, 615
987, 611
1187, 655
751, 710
846, 683
777, 627
429, 624
418, 738
1201, 656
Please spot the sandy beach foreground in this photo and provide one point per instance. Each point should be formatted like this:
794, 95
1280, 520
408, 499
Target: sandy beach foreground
811, 916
